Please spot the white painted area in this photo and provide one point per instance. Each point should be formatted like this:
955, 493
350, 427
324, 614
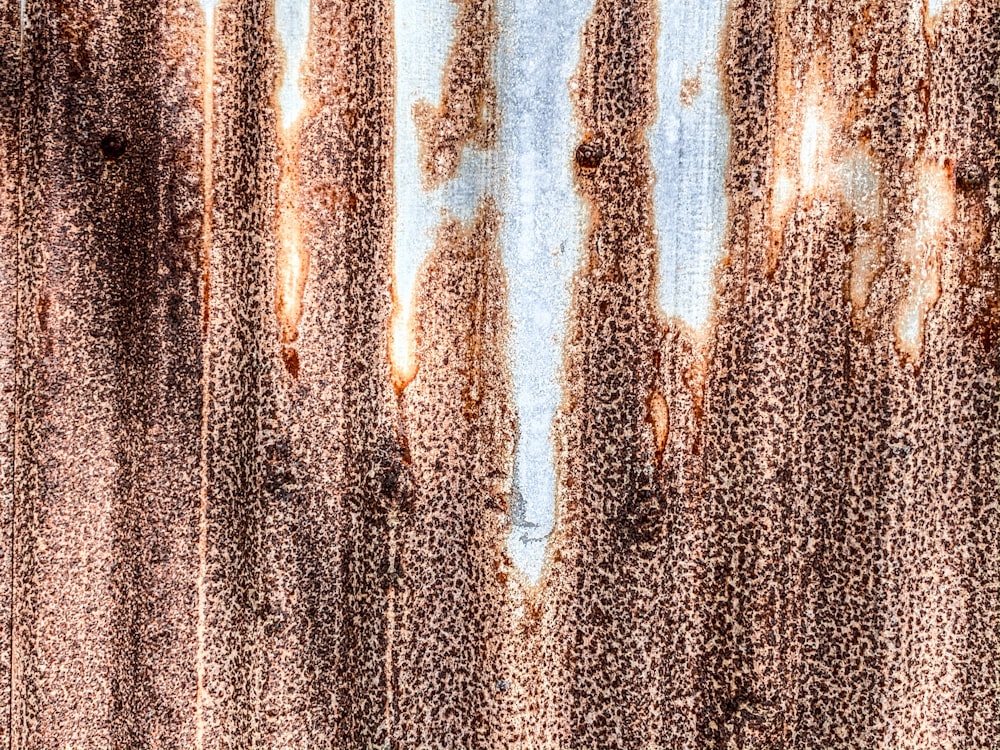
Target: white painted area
933, 212
291, 20
424, 35
541, 236
859, 184
207, 7
690, 143
934, 7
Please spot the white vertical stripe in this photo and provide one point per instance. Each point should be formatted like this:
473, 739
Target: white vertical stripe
541, 235
690, 143
291, 20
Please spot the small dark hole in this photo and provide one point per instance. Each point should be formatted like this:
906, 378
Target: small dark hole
589, 155
112, 146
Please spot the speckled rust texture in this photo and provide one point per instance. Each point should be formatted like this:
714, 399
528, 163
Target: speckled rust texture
343, 415
108, 370
467, 112
242, 460
850, 497
10, 99
782, 534
596, 633
452, 684
304, 459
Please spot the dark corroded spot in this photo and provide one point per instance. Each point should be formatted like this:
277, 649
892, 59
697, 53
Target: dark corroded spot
589, 155
112, 146
291, 359
969, 175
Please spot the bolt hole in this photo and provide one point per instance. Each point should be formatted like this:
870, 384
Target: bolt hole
112, 146
589, 155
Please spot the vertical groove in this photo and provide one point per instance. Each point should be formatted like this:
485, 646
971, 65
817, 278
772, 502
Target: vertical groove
351, 449
10, 102
208, 105
243, 362
453, 682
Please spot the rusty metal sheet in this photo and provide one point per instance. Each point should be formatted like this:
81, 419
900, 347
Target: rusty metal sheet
471, 373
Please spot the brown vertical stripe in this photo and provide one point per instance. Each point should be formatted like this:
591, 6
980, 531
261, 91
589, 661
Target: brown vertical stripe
108, 397
10, 104
452, 686
783, 535
595, 633
840, 598
241, 359
342, 410
467, 113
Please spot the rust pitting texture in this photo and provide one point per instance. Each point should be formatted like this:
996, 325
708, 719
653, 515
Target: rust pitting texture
454, 617
467, 113
783, 534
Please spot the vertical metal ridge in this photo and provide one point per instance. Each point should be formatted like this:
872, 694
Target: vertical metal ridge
608, 515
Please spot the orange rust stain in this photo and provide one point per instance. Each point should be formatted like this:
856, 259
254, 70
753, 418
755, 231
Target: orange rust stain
920, 251
805, 130
690, 89
659, 415
402, 348
292, 256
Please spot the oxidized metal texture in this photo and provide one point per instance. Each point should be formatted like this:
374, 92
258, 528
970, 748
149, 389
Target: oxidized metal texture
228, 522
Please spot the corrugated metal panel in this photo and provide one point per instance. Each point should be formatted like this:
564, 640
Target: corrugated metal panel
260, 476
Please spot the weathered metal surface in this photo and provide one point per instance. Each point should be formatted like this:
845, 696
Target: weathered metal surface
235, 513
108, 403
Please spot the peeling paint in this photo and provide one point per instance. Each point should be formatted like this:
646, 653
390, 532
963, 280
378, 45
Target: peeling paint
425, 33
292, 258
859, 185
541, 234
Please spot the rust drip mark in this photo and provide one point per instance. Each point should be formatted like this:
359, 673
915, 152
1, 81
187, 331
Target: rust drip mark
920, 251
480, 241
659, 416
467, 113
607, 496
292, 256
804, 135
402, 345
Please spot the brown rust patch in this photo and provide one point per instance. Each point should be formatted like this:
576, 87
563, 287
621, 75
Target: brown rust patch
467, 113
609, 517
454, 684
107, 390
690, 88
